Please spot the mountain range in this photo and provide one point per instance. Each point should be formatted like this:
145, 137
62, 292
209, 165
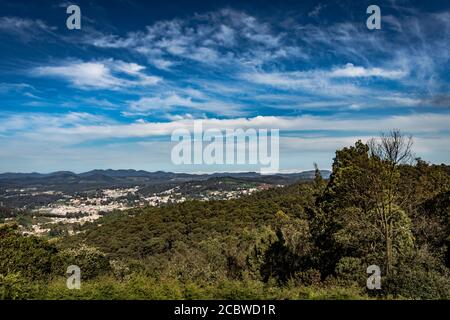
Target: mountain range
122, 178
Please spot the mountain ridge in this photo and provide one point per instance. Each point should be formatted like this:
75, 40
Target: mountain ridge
141, 173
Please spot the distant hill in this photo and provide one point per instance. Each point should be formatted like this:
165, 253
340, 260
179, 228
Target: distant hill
69, 181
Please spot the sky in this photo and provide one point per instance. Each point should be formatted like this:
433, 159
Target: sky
111, 94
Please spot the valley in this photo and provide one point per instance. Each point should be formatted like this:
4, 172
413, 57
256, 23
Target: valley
60, 203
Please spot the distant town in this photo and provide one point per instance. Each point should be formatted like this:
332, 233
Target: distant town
61, 203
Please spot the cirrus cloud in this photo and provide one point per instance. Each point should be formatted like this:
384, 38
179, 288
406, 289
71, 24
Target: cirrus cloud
104, 74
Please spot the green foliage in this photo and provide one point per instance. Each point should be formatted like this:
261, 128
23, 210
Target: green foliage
419, 275
351, 270
91, 261
309, 277
34, 258
13, 287
142, 287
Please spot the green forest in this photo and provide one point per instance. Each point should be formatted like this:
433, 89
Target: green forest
310, 240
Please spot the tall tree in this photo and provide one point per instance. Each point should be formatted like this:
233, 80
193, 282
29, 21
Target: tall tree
362, 200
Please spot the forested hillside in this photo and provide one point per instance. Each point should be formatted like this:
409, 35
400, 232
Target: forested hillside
307, 240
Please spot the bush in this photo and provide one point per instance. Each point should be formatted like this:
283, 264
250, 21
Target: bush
310, 277
91, 261
13, 287
419, 276
32, 257
350, 269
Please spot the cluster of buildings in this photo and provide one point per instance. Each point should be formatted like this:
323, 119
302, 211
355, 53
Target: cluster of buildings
78, 209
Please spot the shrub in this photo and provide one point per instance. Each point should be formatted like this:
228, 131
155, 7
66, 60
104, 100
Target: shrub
350, 269
419, 276
34, 258
13, 287
91, 261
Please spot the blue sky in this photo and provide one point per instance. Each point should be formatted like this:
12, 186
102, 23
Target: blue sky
109, 95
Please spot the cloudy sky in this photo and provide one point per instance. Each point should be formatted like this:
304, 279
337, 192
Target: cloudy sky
110, 95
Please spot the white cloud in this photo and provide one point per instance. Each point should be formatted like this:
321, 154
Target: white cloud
224, 37
158, 103
81, 126
402, 100
195, 101
104, 74
25, 28
337, 81
84, 74
316, 10
351, 71
36, 121
316, 81
15, 87
112, 41
129, 68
